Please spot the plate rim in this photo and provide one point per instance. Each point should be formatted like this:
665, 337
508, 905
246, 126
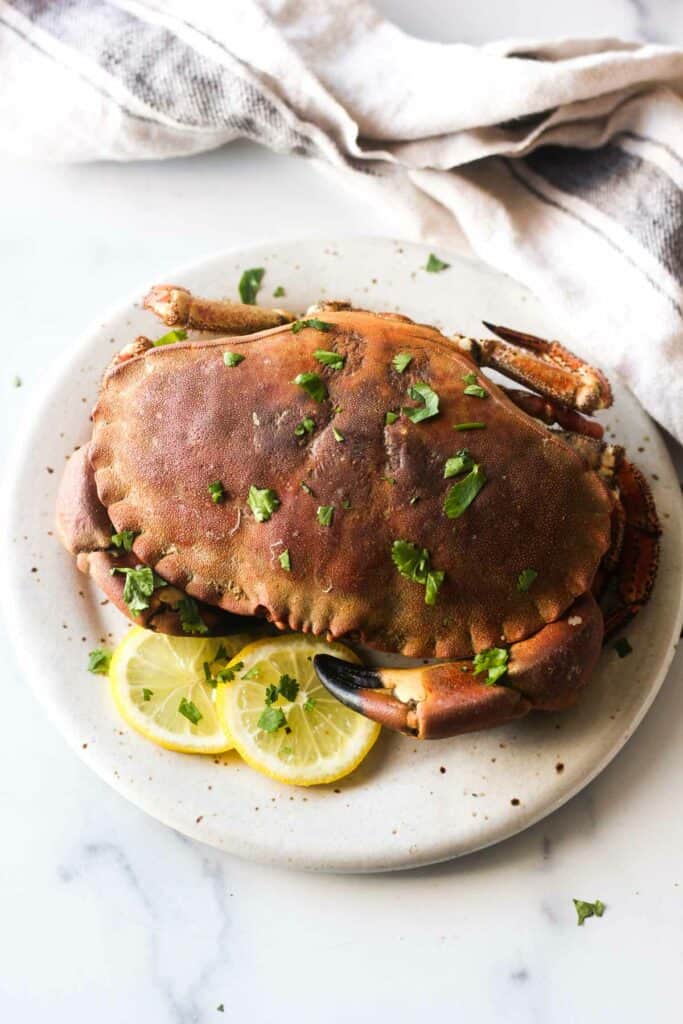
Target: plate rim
265, 854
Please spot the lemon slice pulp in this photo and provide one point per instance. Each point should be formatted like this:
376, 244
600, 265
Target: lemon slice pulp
306, 738
159, 686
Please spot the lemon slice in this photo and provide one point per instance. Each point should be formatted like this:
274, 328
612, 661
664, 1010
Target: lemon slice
305, 738
159, 686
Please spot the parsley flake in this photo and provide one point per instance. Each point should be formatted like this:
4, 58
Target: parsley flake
288, 687
414, 563
334, 360
189, 710
262, 502
124, 539
585, 909
317, 325
190, 619
99, 661
346, 503
271, 694
422, 392
170, 337
216, 491
250, 282
140, 584
272, 719
309, 704
461, 462
253, 673
306, 488
313, 385
494, 662
434, 264
463, 493
325, 514
220, 1008
233, 358
285, 561
475, 391
390, 418
623, 647
401, 361
474, 425
306, 426
525, 579
147, 694
338, 436
279, 292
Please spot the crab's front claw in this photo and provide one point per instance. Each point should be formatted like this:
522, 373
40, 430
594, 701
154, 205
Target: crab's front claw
546, 672
429, 702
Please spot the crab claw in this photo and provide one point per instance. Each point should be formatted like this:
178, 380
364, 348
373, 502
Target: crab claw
546, 672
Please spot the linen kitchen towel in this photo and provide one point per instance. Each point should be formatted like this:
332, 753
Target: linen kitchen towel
560, 163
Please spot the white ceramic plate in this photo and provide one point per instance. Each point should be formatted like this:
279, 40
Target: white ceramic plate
409, 803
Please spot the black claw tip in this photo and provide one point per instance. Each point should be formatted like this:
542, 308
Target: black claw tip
337, 672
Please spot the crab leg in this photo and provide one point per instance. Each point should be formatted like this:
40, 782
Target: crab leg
550, 412
546, 672
637, 565
544, 366
177, 307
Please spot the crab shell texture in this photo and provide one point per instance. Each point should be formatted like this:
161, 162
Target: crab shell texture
174, 419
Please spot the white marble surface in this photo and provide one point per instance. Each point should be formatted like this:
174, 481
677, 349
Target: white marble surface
107, 916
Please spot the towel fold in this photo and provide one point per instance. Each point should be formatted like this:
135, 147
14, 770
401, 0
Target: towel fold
560, 163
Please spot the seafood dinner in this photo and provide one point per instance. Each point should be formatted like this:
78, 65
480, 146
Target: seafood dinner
357, 475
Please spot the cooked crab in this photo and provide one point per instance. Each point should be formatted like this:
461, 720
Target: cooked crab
355, 474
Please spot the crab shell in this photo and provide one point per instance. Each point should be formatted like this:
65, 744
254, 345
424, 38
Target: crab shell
174, 419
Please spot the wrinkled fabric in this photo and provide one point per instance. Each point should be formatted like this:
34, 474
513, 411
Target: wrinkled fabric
560, 163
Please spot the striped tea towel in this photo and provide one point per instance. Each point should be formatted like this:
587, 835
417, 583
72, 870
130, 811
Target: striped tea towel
560, 163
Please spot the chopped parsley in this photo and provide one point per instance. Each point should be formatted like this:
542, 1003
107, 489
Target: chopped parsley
414, 563
390, 418
309, 704
472, 387
463, 493
288, 687
271, 694
220, 1008
272, 719
99, 661
124, 539
422, 392
434, 264
233, 358
494, 662
525, 579
189, 710
325, 514
227, 674
474, 425
461, 462
250, 282
285, 561
279, 292
312, 384
172, 336
140, 584
147, 694
190, 619
262, 502
585, 909
623, 647
338, 436
317, 325
216, 491
306, 488
334, 360
253, 673
306, 426
401, 361
346, 503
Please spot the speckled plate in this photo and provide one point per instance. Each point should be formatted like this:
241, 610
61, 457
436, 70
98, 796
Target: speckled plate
408, 804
